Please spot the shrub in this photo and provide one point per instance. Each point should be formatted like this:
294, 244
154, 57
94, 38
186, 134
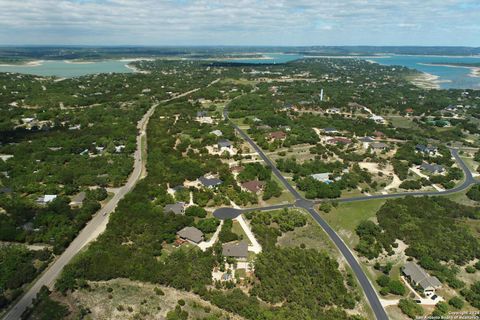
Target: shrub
410, 308
470, 269
396, 287
196, 211
456, 302
383, 280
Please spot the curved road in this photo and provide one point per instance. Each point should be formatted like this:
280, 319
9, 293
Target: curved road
308, 205
94, 227
467, 182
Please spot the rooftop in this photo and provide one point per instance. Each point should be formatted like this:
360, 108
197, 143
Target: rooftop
191, 233
235, 249
420, 276
176, 208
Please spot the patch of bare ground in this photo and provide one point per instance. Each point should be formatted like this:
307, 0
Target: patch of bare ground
126, 299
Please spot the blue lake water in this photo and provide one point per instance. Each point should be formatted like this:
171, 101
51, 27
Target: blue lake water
67, 69
449, 77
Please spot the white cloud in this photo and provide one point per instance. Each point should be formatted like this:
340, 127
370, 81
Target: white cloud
160, 22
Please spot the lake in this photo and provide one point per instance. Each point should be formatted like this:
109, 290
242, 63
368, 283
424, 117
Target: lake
449, 77
64, 69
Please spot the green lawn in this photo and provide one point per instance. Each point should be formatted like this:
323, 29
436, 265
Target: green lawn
402, 122
237, 229
311, 235
346, 217
471, 164
461, 198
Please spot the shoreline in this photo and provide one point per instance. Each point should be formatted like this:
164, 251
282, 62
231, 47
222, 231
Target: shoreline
135, 70
34, 63
474, 71
426, 80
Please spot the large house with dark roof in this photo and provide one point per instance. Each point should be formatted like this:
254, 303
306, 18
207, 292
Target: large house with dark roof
210, 182
432, 168
176, 208
277, 135
253, 186
427, 150
191, 234
238, 250
421, 279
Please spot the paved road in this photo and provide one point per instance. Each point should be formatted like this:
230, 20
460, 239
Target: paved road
308, 205
301, 202
94, 227
468, 181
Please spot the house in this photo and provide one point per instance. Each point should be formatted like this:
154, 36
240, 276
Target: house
277, 135
427, 150
322, 177
202, 117
43, 200
420, 278
191, 234
264, 127
366, 139
330, 130
176, 208
210, 182
238, 250
75, 127
333, 111
77, 200
432, 168
339, 140
224, 144
253, 186
379, 146
119, 148
377, 119
408, 111
217, 133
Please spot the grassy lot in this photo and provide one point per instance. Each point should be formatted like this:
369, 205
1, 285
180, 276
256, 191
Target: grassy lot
471, 164
346, 217
237, 229
401, 122
311, 235
169, 248
285, 197
461, 198
125, 299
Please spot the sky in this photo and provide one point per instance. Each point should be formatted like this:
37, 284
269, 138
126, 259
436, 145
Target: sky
240, 22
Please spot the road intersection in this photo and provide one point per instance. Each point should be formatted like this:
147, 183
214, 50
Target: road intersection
308, 205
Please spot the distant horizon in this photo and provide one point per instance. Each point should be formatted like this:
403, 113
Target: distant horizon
228, 46
297, 23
